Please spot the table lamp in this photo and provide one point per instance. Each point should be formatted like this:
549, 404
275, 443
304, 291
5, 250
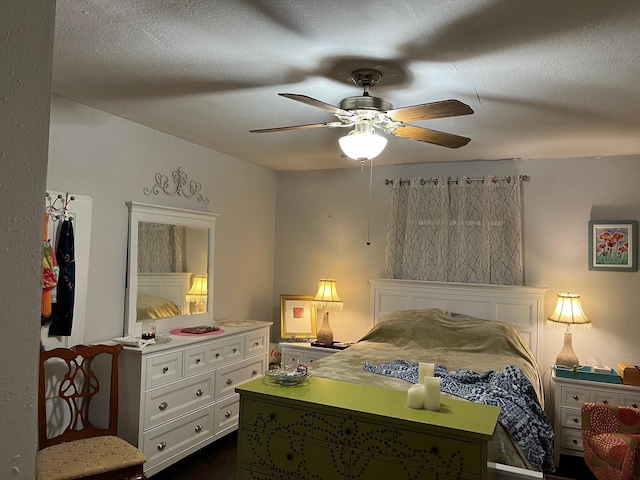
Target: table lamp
569, 312
326, 299
198, 292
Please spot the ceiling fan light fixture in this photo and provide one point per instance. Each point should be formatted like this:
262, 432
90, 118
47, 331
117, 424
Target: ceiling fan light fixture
362, 142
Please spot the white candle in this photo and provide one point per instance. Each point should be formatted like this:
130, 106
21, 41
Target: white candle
432, 393
425, 370
415, 396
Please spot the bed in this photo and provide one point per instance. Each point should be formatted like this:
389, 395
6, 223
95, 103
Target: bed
162, 295
459, 327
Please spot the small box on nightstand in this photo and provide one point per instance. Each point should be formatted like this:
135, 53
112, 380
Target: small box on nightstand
629, 372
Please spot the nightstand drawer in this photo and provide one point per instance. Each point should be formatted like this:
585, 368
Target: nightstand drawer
630, 400
571, 439
603, 396
574, 396
570, 417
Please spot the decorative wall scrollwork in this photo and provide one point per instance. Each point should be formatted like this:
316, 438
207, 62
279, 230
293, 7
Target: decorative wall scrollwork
180, 182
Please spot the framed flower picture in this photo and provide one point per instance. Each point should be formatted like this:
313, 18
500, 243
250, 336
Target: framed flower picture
297, 317
613, 246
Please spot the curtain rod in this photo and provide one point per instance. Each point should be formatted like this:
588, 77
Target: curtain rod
523, 178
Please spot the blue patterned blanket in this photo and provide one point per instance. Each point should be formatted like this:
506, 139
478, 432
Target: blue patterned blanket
510, 389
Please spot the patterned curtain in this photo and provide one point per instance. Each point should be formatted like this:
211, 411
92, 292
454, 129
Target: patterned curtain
456, 231
160, 248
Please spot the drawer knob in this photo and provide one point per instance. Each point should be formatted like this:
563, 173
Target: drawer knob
272, 416
229, 381
217, 355
235, 350
575, 442
163, 406
161, 446
254, 371
575, 420
605, 401
199, 392
347, 431
575, 397
198, 428
434, 451
634, 405
165, 369
198, 360
257, 344
228, 413
289, 456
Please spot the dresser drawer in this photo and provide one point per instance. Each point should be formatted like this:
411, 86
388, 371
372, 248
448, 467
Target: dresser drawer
166, 441
381, 467
203, 358
256, 343
449, 453
571, 439
227, 378
352, 433
290, 459
163, 369
574, 396
227, 413
603, 396
570, 417
276, 418
166, 403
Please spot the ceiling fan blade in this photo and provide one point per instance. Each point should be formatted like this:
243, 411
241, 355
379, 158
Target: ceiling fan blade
299, 127
427, 111
316, 103
430, 136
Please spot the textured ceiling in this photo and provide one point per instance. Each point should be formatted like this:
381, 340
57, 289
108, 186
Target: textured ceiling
545, 78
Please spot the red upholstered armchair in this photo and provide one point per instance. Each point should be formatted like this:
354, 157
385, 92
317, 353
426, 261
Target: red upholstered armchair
611, 441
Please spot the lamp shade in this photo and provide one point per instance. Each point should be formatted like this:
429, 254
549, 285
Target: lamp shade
326, 298
362, 145
569, 310
199, 289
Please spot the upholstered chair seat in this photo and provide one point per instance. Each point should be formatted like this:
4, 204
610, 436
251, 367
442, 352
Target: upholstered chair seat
611, 441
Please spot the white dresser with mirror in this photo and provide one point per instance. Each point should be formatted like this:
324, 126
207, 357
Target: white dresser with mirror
178, 395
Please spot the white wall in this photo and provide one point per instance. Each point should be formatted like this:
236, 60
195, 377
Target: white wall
322, 231
26, 29
112, 160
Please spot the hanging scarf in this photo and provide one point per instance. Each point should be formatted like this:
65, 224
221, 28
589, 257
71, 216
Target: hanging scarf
62, 315
49, 273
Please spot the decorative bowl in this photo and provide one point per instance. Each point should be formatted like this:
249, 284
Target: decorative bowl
288, 377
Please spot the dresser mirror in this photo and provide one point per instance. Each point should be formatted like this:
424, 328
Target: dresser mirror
169, 268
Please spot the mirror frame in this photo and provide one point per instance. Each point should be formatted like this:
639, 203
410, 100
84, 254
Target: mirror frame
143, 212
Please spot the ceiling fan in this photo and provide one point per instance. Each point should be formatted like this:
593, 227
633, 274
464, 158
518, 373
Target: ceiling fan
366, 114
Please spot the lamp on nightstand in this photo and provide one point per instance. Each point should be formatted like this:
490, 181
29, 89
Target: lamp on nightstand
569, 312
198, 292
326, 299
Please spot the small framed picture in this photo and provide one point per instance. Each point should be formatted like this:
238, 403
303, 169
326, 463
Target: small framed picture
297, 317
613, 246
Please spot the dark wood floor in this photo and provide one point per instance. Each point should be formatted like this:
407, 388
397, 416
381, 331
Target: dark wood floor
218, 462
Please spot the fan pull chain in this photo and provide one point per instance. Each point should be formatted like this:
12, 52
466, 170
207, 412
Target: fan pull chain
370, 189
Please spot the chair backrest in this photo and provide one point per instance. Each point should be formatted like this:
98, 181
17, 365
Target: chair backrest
68, 382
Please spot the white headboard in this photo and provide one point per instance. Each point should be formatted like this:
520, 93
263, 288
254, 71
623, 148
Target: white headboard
521, 306
172, 286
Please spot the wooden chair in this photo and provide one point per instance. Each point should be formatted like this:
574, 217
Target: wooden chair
74, 442
611, 441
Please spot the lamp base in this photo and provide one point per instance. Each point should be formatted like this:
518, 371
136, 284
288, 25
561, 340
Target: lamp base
325, 335
567, 357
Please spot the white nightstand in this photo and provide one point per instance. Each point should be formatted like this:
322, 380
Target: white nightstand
570, 394
301, 352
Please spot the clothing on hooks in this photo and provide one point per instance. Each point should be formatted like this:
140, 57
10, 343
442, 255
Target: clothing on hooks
62, 310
